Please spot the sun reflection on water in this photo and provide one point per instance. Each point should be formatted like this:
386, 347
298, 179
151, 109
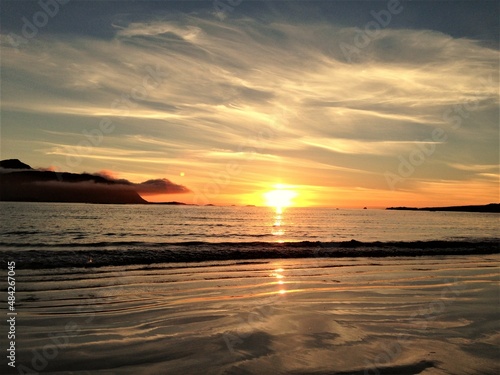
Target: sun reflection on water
277, 229
278, 274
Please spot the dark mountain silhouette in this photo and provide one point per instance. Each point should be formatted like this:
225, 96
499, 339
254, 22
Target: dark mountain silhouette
173, 203
20, 182
13, 164
492, 207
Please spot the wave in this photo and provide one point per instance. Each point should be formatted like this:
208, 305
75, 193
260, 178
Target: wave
21, 232
99, 254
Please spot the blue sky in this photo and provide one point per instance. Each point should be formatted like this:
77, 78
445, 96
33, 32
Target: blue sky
348, 103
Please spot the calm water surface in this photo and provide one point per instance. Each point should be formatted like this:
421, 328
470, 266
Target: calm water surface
30, 225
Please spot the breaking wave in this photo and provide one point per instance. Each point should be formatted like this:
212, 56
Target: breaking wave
99, 254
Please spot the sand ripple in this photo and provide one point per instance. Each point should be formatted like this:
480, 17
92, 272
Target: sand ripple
428, 315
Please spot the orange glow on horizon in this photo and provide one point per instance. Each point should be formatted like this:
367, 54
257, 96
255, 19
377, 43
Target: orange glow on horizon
283, 196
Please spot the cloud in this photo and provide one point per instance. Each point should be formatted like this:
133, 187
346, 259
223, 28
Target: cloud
50, 168
269, 95
107, 174
149, 187
349, 146
138, 29
160, 186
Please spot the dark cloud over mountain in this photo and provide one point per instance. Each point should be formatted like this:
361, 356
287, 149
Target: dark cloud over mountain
20, 182
160, 186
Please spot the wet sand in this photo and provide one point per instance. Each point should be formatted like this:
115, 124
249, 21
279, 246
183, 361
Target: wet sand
401, 315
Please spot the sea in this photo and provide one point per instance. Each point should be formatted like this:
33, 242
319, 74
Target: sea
45, 235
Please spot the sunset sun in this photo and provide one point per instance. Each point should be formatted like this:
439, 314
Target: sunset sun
280, 197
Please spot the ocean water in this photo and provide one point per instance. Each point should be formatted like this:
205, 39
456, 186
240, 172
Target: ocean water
104, 234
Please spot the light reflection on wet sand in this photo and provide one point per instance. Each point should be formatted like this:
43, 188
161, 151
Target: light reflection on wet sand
310, 316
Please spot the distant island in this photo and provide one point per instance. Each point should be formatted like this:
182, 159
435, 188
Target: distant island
490, 208
19, 182
172, 203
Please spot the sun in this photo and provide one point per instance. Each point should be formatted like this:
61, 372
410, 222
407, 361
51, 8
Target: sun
280, 197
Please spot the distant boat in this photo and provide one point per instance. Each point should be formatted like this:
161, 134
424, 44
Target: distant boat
364, 208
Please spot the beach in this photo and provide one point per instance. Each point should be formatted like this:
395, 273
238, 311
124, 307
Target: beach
391, 315
234, 187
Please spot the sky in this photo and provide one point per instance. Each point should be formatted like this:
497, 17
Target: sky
326, 103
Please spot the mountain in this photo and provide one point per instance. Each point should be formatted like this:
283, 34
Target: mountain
13, 164
492, 207
20, 182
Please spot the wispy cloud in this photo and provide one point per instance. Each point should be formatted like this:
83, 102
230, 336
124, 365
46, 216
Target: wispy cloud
226, 83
